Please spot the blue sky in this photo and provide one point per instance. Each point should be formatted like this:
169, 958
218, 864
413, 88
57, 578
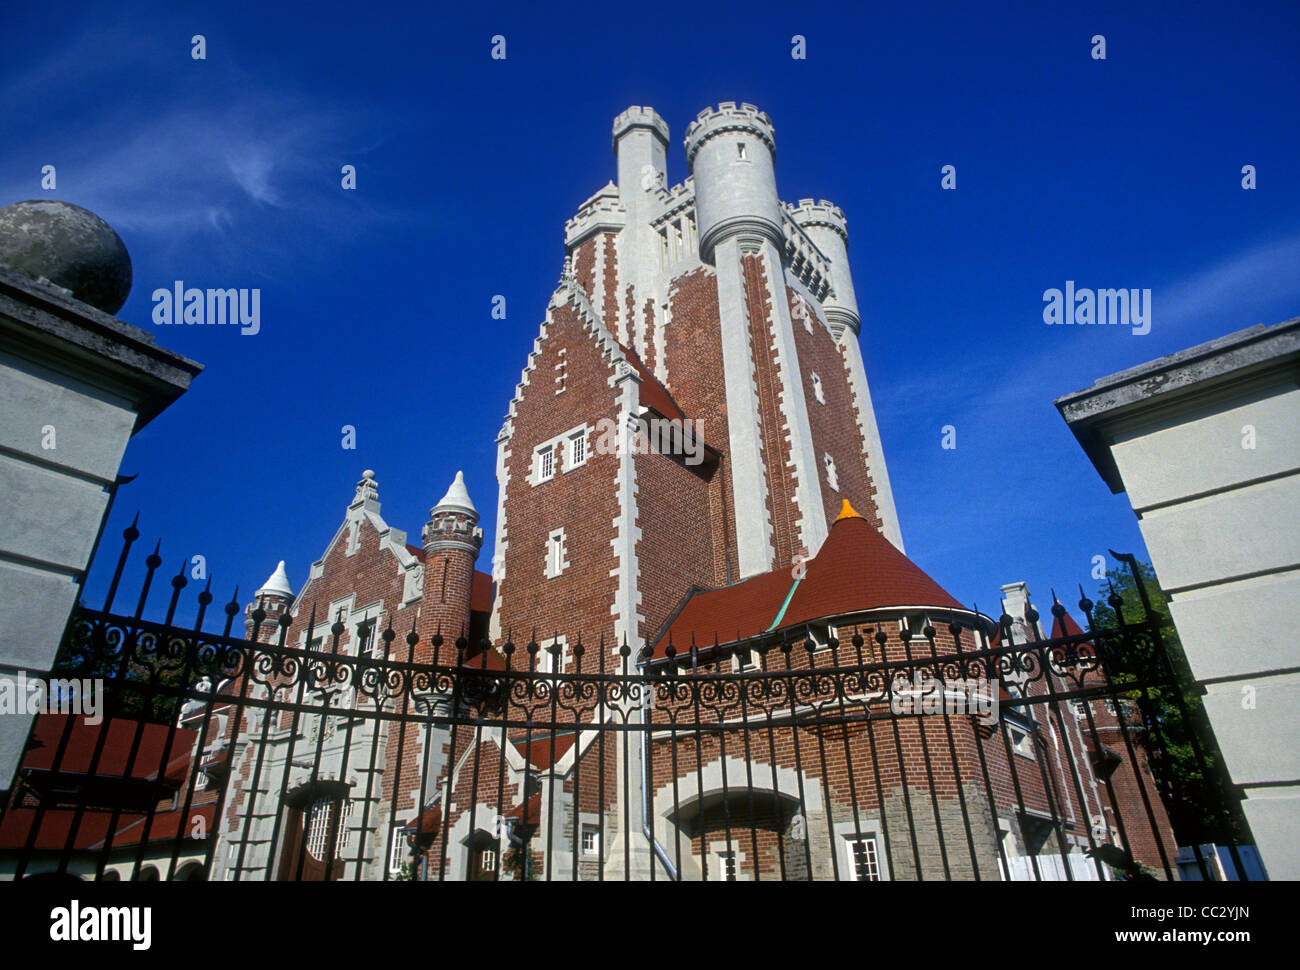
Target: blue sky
376, 302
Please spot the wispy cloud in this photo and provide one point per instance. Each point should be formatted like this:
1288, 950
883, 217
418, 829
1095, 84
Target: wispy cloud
223, 157
1262, 274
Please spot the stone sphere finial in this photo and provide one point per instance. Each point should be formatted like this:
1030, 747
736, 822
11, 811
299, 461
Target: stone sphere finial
71, 247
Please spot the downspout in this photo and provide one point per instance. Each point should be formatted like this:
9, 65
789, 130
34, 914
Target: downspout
647, 829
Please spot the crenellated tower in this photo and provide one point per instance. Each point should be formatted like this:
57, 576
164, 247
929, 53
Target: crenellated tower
779, 508
824, 224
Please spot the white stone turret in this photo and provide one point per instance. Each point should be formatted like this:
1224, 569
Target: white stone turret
278, 582
640, 139
824, 223
731, 153
274, 599
457, 498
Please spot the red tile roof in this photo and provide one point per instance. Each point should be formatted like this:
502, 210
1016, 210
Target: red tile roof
115, 760
856, 569
653, 394
540, 751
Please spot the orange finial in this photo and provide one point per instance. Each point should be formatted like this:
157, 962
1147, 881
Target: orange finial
846, 512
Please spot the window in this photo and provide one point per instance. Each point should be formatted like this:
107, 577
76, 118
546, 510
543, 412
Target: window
577, 449
590, 840
740, 151
1022, 742
831, 478
727, 866
367, 644
864, 858
555, 560
487, 861
546, 463
817, 389
397, 852
318, 826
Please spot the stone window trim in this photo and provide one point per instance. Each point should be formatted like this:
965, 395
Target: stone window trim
832, 479
572, 455
863, 857
818, 392
557, 554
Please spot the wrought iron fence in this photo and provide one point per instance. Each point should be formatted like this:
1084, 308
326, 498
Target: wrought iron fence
870, 747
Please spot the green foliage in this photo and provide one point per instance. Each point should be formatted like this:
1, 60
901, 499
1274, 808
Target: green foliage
130, 691
1199, 806
515, 861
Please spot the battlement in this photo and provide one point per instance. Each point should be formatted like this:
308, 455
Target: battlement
728, 117
805, 261
639, 117
603, 212
820, 213
674, 201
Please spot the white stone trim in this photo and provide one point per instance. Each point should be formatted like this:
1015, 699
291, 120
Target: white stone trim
553, 568
811, 511
627, 533
875, 456
847, 832
754, 548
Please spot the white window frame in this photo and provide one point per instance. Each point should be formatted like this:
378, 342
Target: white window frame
487, 860
832, 479
591, 847
869, 839
818, 392
557, 553
728, 865
1022, 741
558, 661
573, 441
397, 852
543, 473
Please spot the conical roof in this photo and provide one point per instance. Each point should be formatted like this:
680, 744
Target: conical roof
278, 582
457, 496
857, 569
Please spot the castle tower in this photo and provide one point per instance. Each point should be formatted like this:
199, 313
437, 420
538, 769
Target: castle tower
779, 509
824, 223
274, 599
452, 541
640, 140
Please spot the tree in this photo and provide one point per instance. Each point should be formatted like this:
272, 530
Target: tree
1198, 797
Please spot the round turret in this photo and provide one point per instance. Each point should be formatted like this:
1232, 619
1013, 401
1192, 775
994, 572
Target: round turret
274, 599
825, 225
71, 247
731, 153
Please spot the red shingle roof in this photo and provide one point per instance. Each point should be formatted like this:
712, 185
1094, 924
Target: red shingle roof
856, 569
653, 394
538, 750
121, 752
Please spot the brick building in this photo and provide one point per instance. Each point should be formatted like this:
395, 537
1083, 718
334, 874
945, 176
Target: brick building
690, 460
